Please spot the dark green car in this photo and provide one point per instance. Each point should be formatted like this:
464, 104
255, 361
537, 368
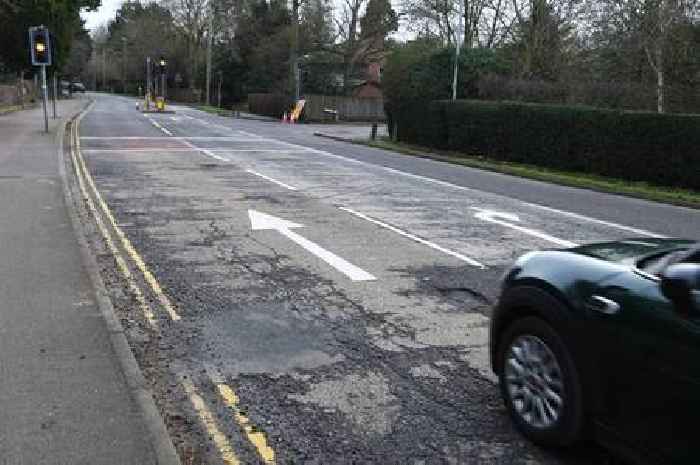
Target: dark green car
603, 341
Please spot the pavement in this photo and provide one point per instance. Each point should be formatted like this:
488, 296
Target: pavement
295, 299
63, 394
345, 132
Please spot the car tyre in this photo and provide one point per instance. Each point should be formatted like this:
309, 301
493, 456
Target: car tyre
563, 429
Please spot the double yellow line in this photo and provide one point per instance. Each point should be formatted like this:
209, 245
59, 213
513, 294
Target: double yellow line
228, 396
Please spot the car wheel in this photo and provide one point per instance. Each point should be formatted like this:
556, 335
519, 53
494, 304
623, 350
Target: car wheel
539, 383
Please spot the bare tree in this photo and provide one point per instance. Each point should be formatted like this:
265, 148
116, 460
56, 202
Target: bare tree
192, 16
651, 23
348, 34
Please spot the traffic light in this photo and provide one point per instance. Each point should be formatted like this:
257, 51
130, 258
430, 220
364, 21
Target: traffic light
40, 44
161, 65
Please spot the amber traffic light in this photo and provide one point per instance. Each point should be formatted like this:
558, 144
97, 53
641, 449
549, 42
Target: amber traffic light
40, 44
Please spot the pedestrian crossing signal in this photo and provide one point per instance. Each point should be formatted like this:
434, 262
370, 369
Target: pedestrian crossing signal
40, 44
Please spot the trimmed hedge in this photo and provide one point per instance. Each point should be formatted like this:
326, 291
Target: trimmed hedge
635, 146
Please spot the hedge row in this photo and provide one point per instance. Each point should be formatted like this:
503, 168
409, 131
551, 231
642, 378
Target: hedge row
636, 146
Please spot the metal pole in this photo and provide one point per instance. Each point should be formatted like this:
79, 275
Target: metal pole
104, 72
55, 94
457, 43
44, 98
148, 83
162, 85
209, 45
219, 93
124, 64
94, 74
294, 59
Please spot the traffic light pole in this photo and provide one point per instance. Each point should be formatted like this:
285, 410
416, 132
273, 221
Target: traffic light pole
55, 94
44, 97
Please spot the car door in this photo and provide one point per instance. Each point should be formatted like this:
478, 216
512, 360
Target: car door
650, 371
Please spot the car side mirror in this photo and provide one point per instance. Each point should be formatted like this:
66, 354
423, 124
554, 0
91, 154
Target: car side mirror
680, 283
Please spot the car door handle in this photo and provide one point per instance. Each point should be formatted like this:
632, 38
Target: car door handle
603, 305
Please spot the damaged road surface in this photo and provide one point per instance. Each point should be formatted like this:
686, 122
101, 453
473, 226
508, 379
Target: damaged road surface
293, 305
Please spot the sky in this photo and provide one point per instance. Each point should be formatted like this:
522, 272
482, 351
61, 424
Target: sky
106, 12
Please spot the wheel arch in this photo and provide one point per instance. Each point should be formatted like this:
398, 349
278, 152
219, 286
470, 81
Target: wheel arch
530, 298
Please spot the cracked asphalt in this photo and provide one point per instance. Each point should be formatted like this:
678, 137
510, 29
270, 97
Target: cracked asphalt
332, 371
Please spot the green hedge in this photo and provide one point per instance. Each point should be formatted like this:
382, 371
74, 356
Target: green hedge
636, 146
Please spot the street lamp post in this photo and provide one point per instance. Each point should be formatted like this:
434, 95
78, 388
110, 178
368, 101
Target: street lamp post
124, 64
457, 44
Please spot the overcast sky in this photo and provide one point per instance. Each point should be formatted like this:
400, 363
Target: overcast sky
106, 12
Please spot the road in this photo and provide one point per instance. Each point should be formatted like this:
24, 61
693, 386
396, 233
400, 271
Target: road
300, 300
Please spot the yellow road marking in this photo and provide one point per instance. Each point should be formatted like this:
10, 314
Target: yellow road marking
257, 438
219, 438
121, 264
133, 254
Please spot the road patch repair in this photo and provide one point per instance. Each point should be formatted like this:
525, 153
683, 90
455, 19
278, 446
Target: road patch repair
361, 337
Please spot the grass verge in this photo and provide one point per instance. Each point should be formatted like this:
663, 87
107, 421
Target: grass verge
214, 110
642, 190
9, 109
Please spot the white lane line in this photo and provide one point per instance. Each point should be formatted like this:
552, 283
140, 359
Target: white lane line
279, 183
641, 232
610, 224
498, 217
156, 124
204, 151
262, 221
178, 149
415, 238
208, 123
264, 149
206, 138
149, 150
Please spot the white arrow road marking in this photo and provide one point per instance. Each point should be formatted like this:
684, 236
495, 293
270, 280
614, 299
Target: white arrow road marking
156, 124
497, 217
260, 221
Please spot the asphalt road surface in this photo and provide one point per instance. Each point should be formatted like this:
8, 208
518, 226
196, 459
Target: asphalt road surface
319, 302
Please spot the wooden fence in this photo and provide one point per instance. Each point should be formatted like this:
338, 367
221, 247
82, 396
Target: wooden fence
14, 94
348, 108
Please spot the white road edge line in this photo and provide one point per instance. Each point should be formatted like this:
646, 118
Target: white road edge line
415, 238
641, 232
268, 178
610, 224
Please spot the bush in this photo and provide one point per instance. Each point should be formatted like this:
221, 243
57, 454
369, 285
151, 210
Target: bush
274, 105
422, 70
636, 146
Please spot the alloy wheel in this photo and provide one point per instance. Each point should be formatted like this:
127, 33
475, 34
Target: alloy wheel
534, 382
